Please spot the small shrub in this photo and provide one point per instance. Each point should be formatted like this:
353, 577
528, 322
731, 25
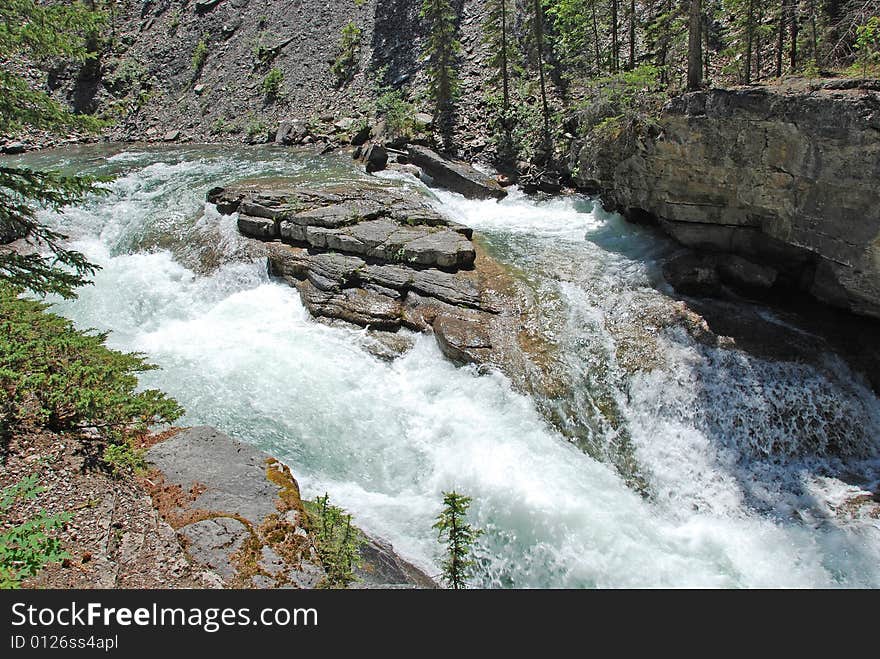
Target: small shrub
127, 74
123, 459
272, 83
26, 548
811, 69
199, 56
346, 62
256, 131
223, 127
398, 112
337, 541
174, 23
263, 54
868, 43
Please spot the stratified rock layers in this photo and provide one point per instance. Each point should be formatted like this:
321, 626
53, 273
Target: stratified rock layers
786, 180
380, 257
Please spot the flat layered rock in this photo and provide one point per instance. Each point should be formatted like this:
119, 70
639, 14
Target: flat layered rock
383, 259
373, 222
358, 306
456, 175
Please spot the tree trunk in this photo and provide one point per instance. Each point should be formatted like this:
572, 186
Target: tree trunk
793, 24
780, 44
815, 38
695, 47
615, 45
750, 37
632, 34
505, 82
539, 37
706, 49
596, 40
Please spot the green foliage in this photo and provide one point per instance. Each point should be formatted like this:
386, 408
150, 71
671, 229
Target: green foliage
199, 56
174, 23
575, 40
127, 74
346, 62
441, 51
272, 83
867, 43
337, 541
256, 131
459, 538
398, 112
124, 459
811, 69
22, 191
27, 547
54, 376
221, 126
263, 54
631, 89
37, 32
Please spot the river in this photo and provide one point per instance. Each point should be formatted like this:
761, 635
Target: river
715, 468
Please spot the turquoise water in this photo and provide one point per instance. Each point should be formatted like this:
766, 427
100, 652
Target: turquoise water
737, 489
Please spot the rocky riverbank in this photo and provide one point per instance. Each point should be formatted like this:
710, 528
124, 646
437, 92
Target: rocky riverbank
778, 184
238, 513
211, 512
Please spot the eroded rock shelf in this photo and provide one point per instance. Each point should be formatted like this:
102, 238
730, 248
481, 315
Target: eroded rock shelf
382, 258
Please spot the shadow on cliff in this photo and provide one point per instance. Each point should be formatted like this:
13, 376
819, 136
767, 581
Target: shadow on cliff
398, 38
395, 44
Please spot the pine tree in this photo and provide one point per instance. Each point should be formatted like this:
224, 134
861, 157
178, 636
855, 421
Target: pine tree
497, 29
441, 52
695, 46
36, 31
460, 537
538, 25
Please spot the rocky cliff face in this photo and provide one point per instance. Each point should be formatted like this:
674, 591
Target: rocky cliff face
785, 178
194, 70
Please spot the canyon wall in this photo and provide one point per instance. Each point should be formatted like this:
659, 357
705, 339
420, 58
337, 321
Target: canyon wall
787, 178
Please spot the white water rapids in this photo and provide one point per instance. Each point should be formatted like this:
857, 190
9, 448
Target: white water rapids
240, 352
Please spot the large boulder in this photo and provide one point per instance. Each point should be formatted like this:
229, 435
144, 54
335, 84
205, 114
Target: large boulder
373, 155
455, 175
291, 132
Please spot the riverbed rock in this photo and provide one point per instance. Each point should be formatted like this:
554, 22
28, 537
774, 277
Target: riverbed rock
258, 227
374, 156
460, 339
455, 175
785, 178
380, 257
291, 132
369, 221
238, 513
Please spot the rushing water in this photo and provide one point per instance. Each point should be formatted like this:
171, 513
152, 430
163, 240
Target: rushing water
737, 489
